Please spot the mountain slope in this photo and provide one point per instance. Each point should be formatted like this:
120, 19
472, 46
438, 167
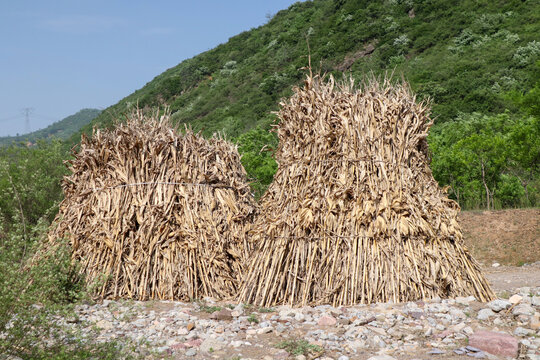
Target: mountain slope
465, 56
62, 129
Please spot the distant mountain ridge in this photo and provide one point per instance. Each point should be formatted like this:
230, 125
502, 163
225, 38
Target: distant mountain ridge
62, 129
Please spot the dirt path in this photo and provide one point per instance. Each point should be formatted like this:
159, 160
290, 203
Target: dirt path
507, 278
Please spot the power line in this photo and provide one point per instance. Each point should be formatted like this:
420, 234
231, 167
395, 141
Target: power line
27, 111
10, 118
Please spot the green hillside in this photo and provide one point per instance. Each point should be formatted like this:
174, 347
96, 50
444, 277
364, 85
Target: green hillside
474, 60
62, 129
465, 55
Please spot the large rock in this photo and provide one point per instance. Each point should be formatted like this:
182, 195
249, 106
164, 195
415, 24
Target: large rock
495, 343
222, 314
485, 314
327, 320
211, 345
499, 305
515, 299
523, 309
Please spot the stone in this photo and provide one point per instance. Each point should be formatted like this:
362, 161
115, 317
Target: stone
236, 313
499, 305
519, 331
457, 314
462, 300
485, 314
190, 352
182, 331
327, 320
523, 309
211, 345
515, 299
535, 301
477, 355
525, 291
193, 343
104, 324
495, 265
535, 322
300, 357
223, 314
282, 354
178, 346
435, 351
265, 330
494, 343
190, 326
377, 330
416, 314
343, 357
382, 357
219, 329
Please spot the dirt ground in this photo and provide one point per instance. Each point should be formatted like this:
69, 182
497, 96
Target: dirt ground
507, 278
509, 237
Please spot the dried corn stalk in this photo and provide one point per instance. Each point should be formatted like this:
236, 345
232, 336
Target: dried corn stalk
151, 214
353, 214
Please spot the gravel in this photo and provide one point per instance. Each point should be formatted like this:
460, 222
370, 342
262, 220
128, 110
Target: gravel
421, 329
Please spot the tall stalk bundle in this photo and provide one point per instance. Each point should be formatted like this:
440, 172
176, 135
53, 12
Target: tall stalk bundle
353, 214
153, 214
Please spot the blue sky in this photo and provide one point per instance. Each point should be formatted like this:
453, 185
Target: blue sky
59, 56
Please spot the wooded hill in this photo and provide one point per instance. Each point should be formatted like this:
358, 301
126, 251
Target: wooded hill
471, 58
62, 129
465, 56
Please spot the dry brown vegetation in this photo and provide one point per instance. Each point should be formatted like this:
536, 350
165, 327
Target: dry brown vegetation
153, 214
353, 214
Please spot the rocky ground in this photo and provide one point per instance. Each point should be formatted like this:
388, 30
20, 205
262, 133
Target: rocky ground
450, 328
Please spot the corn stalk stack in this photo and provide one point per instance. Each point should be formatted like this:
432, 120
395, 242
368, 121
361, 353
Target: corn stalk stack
151, 214
353, 214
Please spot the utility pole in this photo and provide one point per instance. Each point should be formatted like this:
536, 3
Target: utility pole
27, 111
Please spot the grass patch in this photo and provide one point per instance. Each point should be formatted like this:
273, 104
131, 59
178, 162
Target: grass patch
210, 309
300, 347
266, 310
253, 319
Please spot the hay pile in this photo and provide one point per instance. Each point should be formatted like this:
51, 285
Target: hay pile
153, 214
353, 214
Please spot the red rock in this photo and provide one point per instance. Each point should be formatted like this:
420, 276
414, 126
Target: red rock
193, 343
495, 343
178, 346
327, 321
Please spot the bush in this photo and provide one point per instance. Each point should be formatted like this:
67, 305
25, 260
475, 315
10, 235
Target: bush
35, 290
